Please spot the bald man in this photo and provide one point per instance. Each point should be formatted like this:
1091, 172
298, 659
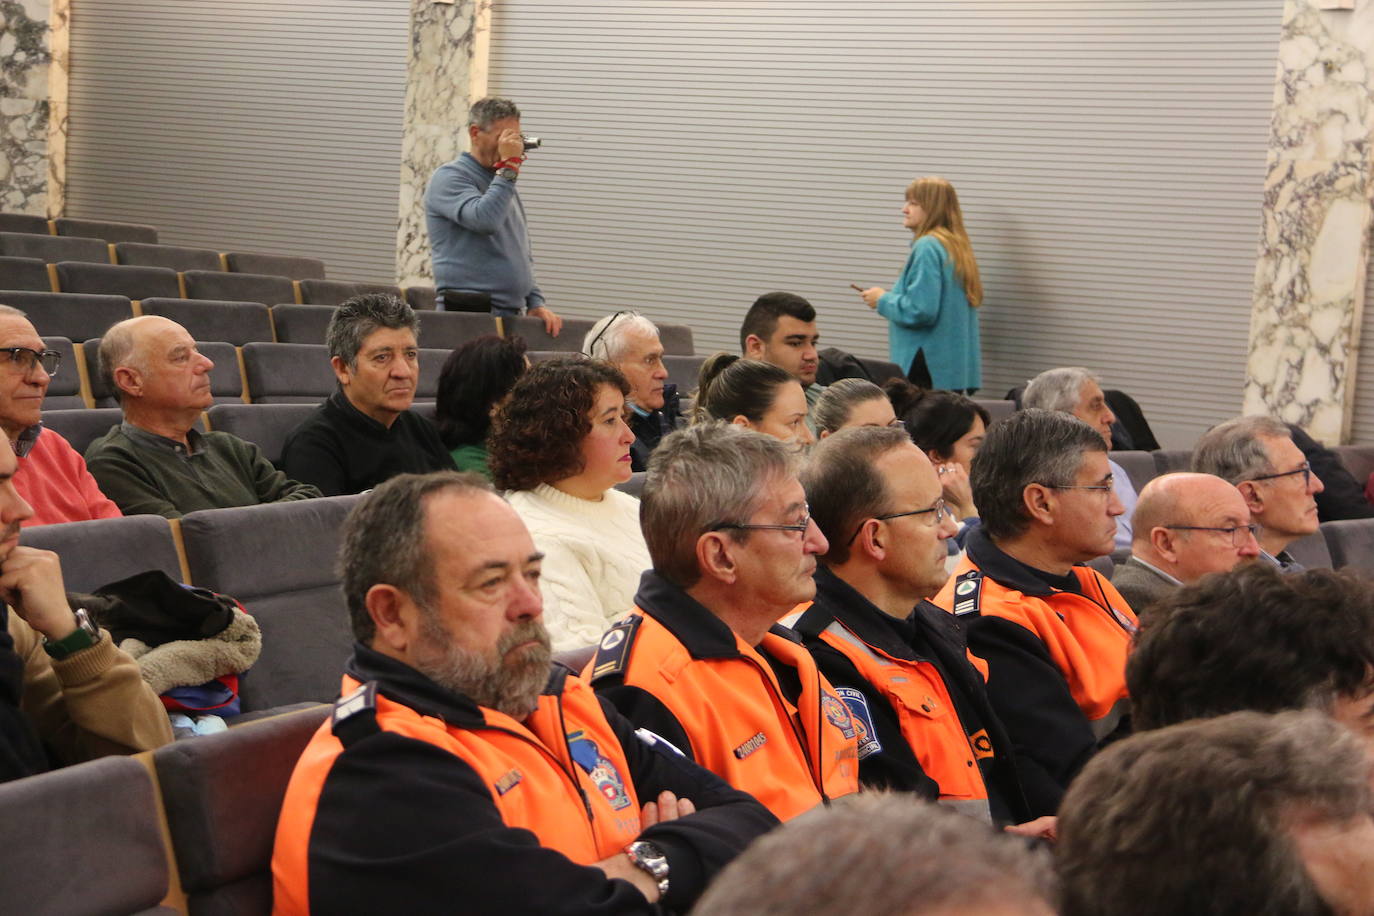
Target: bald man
155, 462
1186, 526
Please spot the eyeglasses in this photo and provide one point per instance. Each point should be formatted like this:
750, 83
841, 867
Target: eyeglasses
24, 359
1237, 533
1103, 488
800, 527
1305, 471
591, 347
938, 512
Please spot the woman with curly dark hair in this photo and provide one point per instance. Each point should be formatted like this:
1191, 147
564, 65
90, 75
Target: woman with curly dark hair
475, 378
559, 445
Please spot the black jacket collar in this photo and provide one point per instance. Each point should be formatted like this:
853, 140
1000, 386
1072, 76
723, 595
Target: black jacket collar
836, 599
704, 634
1004, 569
339, 405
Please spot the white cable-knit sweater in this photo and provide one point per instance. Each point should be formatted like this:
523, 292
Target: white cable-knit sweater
594, 554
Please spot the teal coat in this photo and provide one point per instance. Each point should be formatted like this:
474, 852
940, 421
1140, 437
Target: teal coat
926, 309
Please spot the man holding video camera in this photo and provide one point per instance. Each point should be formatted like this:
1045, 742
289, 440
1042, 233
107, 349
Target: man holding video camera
479, 244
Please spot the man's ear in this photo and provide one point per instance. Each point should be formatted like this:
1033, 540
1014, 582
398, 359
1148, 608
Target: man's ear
1040, 501
872, 540
340, 370
395, 617
715, 559
1250, 492
753, 347
129, 380
1165, 542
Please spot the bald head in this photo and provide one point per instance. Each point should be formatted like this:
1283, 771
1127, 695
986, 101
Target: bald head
160, 377
1168, 522
119, 347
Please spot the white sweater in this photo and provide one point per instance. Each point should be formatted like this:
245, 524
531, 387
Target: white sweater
594, 554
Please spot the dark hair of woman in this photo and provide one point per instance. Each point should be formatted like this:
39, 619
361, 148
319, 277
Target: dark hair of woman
935, 419
536, 436
730, 386
475, 376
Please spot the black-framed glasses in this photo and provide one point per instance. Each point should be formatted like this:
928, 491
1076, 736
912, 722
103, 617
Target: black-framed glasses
1104, 488
591, 347
938, 512
800, 527
1305, 470
1236, 532
24, 359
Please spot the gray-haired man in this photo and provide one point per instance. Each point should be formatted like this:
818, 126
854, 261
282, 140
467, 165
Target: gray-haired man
479, 243
365, 433
629, 341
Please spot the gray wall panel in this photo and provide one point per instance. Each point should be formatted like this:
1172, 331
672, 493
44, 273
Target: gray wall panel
1109, 157
245, 125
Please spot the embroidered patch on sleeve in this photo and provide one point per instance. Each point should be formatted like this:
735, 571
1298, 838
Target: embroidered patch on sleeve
862, 719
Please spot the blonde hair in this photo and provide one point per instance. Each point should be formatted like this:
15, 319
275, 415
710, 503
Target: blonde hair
945, 221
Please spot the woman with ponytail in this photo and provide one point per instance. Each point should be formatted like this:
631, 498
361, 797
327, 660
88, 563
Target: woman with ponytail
932, 326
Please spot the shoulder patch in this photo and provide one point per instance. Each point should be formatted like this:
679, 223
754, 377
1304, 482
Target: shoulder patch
355, 716
862, 719
968, 593
613, 652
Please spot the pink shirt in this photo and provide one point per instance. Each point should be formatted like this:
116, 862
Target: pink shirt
53, 479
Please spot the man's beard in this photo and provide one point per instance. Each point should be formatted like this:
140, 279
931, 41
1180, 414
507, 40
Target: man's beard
490, 679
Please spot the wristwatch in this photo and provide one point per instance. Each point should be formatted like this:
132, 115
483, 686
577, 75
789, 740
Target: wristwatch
84, 636
508, 173
650, 858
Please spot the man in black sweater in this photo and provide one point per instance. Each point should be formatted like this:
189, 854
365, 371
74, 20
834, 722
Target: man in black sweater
365, 433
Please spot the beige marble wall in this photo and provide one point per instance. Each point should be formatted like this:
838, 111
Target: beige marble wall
24, 56
1310, 273
447, 71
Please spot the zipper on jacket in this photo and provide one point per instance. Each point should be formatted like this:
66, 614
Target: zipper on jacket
797, 728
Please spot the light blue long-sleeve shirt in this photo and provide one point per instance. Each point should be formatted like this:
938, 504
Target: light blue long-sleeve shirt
926, 309
478, 238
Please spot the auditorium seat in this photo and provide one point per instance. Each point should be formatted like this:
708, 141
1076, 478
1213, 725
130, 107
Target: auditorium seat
280, 373
222, 795
75, 316
225, 286
288, 583
117, 280
427, 409
683, 371
226, 382
576, 659
335, 292
880, 370
64, 390
1350, 542
1139, 466
532, 329
51, 249
997, 408
634, 486
107, 230
676, 339
1311, 551
84, 840
25, 222
81, 426
447, 330
1358, 460
141, 254
237, 323
1104, 565
421, 298
264, 425
304, 324
25, 273
431, 367
282, 265
1167, 461
105, 550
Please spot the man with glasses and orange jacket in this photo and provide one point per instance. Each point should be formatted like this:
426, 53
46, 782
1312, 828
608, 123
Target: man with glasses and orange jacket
1054, 633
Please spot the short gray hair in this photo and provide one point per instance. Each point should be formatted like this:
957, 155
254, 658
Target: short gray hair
493, 108
606, 339
358, 317
118, 347
1233, 450
911, 856
838, 401
699, 477
384, 542
1057, 389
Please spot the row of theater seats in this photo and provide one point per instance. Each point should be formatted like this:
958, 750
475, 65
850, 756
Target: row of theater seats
30, 224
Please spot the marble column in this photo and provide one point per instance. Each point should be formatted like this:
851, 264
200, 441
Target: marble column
447, 71
24, 107
1310, 273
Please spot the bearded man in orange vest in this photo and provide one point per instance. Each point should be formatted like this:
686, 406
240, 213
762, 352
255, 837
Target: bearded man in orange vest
701, 659
458, 772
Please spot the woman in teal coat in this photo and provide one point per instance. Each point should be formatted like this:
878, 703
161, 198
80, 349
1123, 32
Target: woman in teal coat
932, 326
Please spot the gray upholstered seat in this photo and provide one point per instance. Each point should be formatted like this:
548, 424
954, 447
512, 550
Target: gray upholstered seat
25, 273
335, 292
227, 286
1358, 460
447, 330
305, 324
81, 425
683, 371
421, 298
1351, 543
117, 280
105, 550
75, 316
264, 425
1104, 565
142, 254
207, 319
427, 409
532, 329
431, 367
1139, 466
997, 408
634, 486
83, 840
107, 230
278, 559
24, 222
880, 370
282, 265
51, 248
222, 795
64, 390
676, 339
281, 373
1311, 551
1168, 461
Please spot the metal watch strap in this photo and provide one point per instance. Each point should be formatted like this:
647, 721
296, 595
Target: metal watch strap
649, 858
508, 173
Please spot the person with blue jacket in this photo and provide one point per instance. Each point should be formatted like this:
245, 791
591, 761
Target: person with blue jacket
932, 326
